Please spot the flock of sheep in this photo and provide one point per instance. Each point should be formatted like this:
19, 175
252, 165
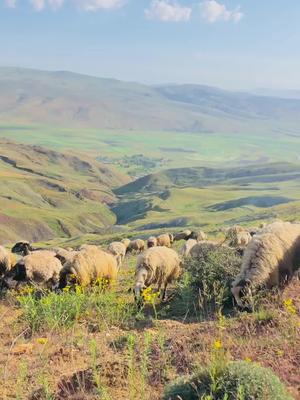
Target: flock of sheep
271, 255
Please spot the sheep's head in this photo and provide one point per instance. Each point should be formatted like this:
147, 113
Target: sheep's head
240, 290
22, 248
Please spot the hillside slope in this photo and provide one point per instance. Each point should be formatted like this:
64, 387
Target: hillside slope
74, 100
44, 193
209, 197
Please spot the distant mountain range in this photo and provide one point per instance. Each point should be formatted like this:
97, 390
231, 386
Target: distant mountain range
73, 100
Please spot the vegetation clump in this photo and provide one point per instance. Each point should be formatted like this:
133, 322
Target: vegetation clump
239, 380
211, 274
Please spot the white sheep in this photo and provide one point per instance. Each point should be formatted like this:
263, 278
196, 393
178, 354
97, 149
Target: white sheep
7, 261
157, 265
270, 259
89, 265
187, 247
118, 250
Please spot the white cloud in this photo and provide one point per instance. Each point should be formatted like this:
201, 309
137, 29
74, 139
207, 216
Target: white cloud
38, 5
212, 11
10, 3
56, 4
94, 5
165, 10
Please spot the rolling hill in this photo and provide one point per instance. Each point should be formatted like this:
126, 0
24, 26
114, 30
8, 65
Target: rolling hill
210, 197
67, 99
44, 193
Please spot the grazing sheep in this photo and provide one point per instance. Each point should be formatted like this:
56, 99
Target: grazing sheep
237, 236
126, 242
137, 245
118, 250
151, 242
187, 247
184, 235
270, 259
7, 261
199, 236
197, 249
22, 248
164, 240
65, 255
39, 267
88, 265
157, 265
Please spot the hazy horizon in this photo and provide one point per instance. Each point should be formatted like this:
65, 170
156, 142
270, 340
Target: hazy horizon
232, 44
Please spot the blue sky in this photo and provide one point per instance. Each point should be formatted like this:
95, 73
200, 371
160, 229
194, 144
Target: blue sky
228, 43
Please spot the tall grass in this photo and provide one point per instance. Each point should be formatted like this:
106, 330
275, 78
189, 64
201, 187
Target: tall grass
56, 311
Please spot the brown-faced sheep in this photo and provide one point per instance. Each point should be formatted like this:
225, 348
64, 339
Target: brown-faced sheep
184, 235
199, 236
187, 247
137, 245
151, 242
270, 259
157, 265
164, 240
88, 266
7, 261
39, 267
118, 250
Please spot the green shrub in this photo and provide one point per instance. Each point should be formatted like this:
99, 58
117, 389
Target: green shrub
211, 275
239, 380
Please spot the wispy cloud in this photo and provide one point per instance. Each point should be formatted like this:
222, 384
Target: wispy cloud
212, 11
56, 4
165, 10
10, 3
94, 5
38, 5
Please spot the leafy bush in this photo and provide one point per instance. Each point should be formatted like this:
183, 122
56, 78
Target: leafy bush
239, 380
211, 275
53, 311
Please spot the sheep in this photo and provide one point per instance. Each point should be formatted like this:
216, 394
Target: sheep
184, 235
65, 255
87, 266
237, 236
137, 245
126, 242
199, 236
270, 259
157, 265
164, 240
151, 242
7, 261
39, 267
186, 248
118, 250
197, 249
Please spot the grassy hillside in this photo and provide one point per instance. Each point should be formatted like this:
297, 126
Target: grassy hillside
44, 193
73, 100
209, 197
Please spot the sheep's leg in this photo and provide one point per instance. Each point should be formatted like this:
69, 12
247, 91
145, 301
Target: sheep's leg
164, 292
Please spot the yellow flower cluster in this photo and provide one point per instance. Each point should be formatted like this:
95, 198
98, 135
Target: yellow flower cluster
248, 359
42, 340
218, 345
27, 290
149, 296
289, 306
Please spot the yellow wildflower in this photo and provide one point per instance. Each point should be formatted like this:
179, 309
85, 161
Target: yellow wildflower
218, 344
279, 353
67, 289
248, 359
289, 306
42, 340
